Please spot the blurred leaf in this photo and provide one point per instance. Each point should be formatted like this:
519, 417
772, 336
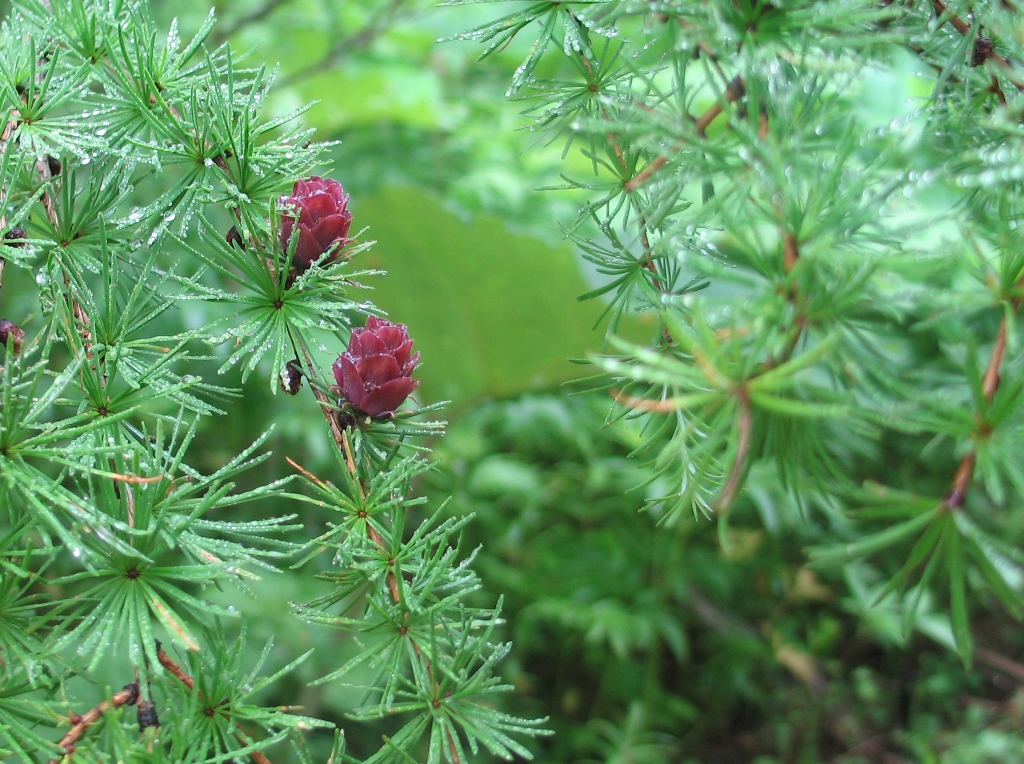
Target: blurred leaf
492, 312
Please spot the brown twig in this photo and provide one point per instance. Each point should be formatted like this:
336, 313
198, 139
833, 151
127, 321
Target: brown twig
5, 137
723, 503
733, 93
958, 23
84, 328
350, 461
983, 49
305, 472
175, 670
345, 45
127, 696
990, 382
1001, 662
790, 251
341, 438
989, 386
227, 28
327, 409
645, 174
647, 261
790, 257
392, 579
45, 172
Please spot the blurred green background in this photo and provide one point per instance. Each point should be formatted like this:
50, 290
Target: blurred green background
642, 644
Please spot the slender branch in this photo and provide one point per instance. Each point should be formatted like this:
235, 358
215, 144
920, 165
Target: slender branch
84, 328
45, 173
227, 28
732, 94
341, 438
1000, 662
958, 23
327, 408
350, 461
989, 386
762, 125
345, 45
725, 499
305, 472
961, 481
790, 257
647, 261
990, 382
5, 137
127, 696
645, 174
983, 50
175, 670
994, 88
790, 251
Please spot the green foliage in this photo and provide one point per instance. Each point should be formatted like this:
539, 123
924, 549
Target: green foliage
128, 155
645, 641
728, 152
836, 281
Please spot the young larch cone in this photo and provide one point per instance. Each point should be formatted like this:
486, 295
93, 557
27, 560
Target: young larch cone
319, 207
374, 374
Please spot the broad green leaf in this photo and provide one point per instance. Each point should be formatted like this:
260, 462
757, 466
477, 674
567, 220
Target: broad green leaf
491, 311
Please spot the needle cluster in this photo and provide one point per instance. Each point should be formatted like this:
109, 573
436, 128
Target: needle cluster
137, 175
819, 203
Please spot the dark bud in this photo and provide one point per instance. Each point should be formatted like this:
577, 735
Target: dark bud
346, 420
133, 693
14, 236
9, 331
234, 238
54, 164
291, 377
374, 374
147, 715
982, 50
736, 89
